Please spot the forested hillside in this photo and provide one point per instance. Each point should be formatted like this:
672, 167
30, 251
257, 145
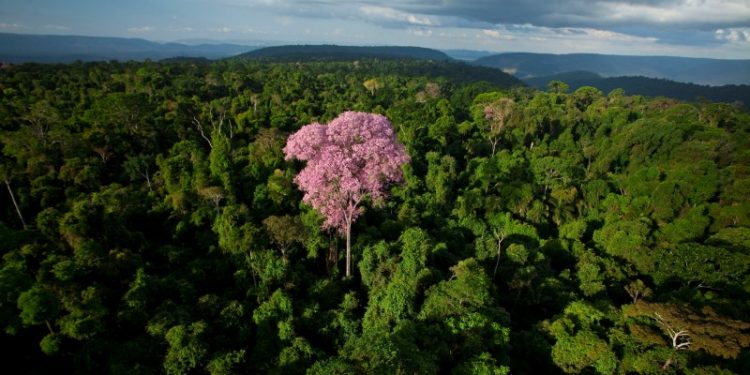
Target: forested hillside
676, 68
150, 223
21, 48
651, 87
339, 53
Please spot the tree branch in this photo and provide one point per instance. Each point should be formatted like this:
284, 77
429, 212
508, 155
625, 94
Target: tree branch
198, 125
15, 204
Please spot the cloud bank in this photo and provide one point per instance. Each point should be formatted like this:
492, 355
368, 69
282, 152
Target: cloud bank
699, 28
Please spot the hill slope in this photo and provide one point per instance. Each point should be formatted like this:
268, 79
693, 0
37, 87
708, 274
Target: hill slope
681, 69
19, 48
334, 52
649, 87
408, 61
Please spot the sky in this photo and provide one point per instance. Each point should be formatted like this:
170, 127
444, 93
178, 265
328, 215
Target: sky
695, 28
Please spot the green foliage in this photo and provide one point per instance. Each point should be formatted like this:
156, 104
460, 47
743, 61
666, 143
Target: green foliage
149, 223
465, 292
589, 275
37, 306
235, 233
696, 263
483, 364
577, 345
50, 344
226, 363
285, 231
584, 349
186, 350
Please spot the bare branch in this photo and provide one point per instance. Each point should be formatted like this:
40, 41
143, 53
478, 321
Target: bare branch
199, 126
15, 204
680, 337
500, 237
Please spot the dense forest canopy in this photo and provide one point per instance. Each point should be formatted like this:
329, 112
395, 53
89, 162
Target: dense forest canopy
150, 223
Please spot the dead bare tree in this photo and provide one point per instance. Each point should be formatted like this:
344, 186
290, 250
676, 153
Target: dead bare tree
199, 126
497, 115
680, 338
216, 124
104, 153
143, 170
499, 237
637, 290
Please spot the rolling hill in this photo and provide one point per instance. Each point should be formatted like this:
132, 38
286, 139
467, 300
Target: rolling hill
649, 87
681, 69
342, 53
467, 54
20, 48
408, 61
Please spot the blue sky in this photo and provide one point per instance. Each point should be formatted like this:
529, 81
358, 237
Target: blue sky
699, 28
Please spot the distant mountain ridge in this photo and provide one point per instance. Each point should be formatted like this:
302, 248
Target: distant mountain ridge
20, 48
467, 54
415, 61
335, 52
681, 69
649, 87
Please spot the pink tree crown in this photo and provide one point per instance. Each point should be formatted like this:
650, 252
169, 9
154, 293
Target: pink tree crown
354, 156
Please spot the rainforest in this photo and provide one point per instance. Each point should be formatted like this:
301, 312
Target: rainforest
151, 222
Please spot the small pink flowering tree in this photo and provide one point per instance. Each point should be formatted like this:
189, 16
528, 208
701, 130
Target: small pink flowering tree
353, 157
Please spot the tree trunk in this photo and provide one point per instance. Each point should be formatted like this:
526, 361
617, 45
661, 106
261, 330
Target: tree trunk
348, 248
497, 261
15, 204
667, 363
148, 179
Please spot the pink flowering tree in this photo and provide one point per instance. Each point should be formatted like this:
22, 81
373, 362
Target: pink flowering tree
354, 157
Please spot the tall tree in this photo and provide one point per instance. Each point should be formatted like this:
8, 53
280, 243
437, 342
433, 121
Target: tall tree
352, 158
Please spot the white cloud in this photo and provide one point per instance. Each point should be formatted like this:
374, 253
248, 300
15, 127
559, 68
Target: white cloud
378, 13
492, 33
10, 26
614, 36
496, 34
678, 12
541, 33
265, 2
419, 20
734, 35
575, 13
141, 29
706, 28
56, 27
223, 29
421, 32
529, 38
182, 29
